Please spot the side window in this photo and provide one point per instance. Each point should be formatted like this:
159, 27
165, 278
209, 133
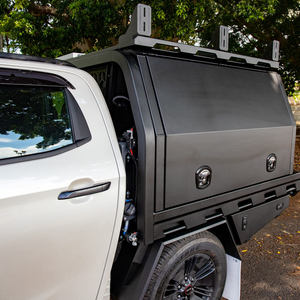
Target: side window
33, 119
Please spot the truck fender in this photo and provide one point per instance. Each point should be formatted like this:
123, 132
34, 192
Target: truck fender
136, 287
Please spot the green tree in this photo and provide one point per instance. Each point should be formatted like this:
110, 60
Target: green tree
255, 23
52, 28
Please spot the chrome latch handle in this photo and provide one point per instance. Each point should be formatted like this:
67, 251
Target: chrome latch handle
203, 177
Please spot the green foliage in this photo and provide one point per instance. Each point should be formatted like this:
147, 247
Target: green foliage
255, 23
52, 28
296, 95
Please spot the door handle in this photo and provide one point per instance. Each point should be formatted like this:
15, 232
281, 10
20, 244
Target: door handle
84, 192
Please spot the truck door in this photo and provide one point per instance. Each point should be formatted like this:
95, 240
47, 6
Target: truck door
59, 188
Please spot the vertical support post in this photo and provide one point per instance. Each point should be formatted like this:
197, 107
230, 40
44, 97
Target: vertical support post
275, 52
223, 38
220, 38
272, 51
140, 23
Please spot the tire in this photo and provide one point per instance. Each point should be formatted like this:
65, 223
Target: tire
193, 268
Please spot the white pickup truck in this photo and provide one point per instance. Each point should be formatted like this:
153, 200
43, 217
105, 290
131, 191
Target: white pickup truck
138, 179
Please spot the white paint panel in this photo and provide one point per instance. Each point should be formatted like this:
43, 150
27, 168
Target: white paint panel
61, 249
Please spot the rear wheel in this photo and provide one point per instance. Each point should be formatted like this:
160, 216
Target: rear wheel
193, 268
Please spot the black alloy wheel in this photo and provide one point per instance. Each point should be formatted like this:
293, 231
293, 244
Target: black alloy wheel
193, 268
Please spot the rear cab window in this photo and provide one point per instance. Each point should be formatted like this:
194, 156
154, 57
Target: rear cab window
35, 114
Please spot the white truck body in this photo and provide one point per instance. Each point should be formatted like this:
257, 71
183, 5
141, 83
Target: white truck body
57, 249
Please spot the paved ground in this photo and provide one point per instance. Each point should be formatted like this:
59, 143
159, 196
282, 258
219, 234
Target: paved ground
271, 258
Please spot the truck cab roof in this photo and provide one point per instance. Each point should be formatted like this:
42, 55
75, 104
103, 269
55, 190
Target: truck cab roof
34, 58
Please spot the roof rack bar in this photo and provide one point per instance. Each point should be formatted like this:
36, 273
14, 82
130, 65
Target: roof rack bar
139, 31
151, 42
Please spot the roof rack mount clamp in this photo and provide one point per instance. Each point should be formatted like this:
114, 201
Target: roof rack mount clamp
220, 38
140, 24
272, 51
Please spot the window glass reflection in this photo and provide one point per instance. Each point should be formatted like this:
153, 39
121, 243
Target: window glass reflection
33, 120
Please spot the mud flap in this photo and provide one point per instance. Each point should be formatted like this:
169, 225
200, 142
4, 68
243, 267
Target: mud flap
233, 279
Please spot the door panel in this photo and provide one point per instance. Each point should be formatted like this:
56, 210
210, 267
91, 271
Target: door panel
51, 248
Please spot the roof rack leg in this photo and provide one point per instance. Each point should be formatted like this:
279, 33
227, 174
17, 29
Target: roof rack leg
272, 51
140, 23
220, 38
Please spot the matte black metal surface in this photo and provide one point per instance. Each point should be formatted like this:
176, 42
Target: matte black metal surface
197, 97
150, 43
252, 220
228, 118
145, 133
159, 134
228, 202
236, 152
